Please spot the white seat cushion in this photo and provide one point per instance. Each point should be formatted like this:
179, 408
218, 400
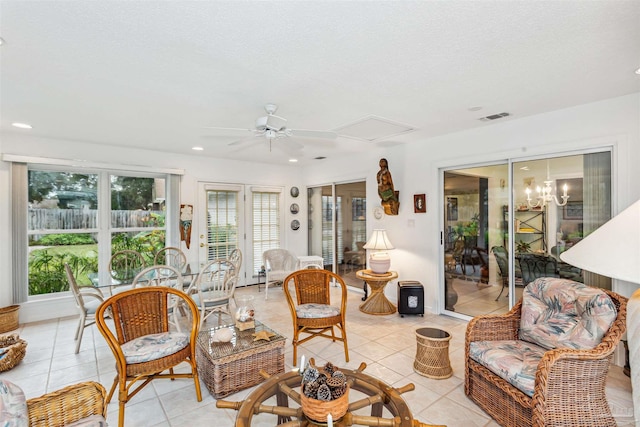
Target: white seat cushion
154, 346
316, 311
92, 305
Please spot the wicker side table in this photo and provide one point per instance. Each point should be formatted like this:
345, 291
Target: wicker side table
432, 353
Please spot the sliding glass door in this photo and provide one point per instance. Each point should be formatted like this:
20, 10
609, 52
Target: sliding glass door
338, 227
503, 230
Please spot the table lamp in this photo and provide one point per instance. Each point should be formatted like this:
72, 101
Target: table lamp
613, 250
379, 243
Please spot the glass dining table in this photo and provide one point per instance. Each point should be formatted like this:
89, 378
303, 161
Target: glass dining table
119, 279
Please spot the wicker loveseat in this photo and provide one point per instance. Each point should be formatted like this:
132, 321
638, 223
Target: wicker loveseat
566, 385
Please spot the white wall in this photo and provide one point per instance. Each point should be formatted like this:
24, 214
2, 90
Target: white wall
414, 168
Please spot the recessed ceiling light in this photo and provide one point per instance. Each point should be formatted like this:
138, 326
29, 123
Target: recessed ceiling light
638, 71
22, 125
197, 148
293, 160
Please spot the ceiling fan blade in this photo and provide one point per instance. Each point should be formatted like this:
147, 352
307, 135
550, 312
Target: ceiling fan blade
304, 133
242, 141
227, 131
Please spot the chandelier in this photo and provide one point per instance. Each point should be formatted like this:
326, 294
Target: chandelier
545, 195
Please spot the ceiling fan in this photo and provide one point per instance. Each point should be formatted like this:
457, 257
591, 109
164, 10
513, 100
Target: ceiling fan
272, 127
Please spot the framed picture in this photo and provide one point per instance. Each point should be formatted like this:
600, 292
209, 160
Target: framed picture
294, 208
452, 208
420, 203
572, 210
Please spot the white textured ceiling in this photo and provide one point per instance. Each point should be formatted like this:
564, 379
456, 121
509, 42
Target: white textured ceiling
151, 74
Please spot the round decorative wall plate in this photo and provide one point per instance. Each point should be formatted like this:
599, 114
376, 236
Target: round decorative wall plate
295, 224
294, 192
378, 212
294, 208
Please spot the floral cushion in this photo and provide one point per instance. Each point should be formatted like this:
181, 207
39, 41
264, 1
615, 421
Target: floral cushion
316, 311
154, 346
560, 313
13, 406
90, 421
514, 361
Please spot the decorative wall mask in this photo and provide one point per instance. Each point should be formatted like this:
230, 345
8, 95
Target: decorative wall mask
186, 217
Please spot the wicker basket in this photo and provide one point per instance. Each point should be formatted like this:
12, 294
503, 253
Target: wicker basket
9, 318
15, 348
317, 410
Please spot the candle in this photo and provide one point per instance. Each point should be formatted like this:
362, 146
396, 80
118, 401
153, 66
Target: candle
329, 420
301, 364
565, 188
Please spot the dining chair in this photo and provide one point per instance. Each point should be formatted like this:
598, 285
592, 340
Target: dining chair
162, 275
236, 259
278, 263
142, 342
172, 256
87, 300
213, 289
125, 264
311, 310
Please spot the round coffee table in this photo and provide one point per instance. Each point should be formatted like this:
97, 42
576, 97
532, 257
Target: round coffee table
432, 353
285, 387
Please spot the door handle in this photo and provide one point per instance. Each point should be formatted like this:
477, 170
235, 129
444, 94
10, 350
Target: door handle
202, 245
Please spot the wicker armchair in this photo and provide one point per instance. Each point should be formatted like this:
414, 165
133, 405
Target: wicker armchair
311, 311
67, 405
569, 384
144, 347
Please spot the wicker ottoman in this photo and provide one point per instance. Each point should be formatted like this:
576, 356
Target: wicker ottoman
226, 368
432, 354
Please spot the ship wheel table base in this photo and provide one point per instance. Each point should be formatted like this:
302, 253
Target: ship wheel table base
378, 396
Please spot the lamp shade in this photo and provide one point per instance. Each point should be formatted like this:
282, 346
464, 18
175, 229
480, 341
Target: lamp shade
378, 241
613, 250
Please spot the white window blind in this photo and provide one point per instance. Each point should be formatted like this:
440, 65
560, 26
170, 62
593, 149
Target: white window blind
266, 225
222, 223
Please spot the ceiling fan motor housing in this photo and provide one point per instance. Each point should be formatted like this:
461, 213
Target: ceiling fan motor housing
271, 122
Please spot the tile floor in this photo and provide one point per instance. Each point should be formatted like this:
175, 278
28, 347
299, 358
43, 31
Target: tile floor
385, 343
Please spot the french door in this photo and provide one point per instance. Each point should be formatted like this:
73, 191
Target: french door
221, 227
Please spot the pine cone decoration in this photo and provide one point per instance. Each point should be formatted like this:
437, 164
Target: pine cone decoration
337, 392
324, 393
339, 374
329, 368
311, 390
322, 379
334, 382
310, 375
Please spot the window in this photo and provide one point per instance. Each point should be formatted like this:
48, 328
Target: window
327, 225
266, 225
64, 223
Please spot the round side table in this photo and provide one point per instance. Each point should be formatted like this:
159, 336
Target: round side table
377, 303
432, 354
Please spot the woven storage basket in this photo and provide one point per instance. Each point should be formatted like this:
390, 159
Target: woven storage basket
317, 410
15, 348
9, 318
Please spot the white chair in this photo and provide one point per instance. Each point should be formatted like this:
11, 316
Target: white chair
162, 275
278, 264
88, 308
236, 259
171, 256
214, 287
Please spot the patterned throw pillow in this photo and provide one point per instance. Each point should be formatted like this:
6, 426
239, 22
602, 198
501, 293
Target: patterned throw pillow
13, 406
561, 313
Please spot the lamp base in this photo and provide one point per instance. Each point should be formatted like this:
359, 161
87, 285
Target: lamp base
379, 265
